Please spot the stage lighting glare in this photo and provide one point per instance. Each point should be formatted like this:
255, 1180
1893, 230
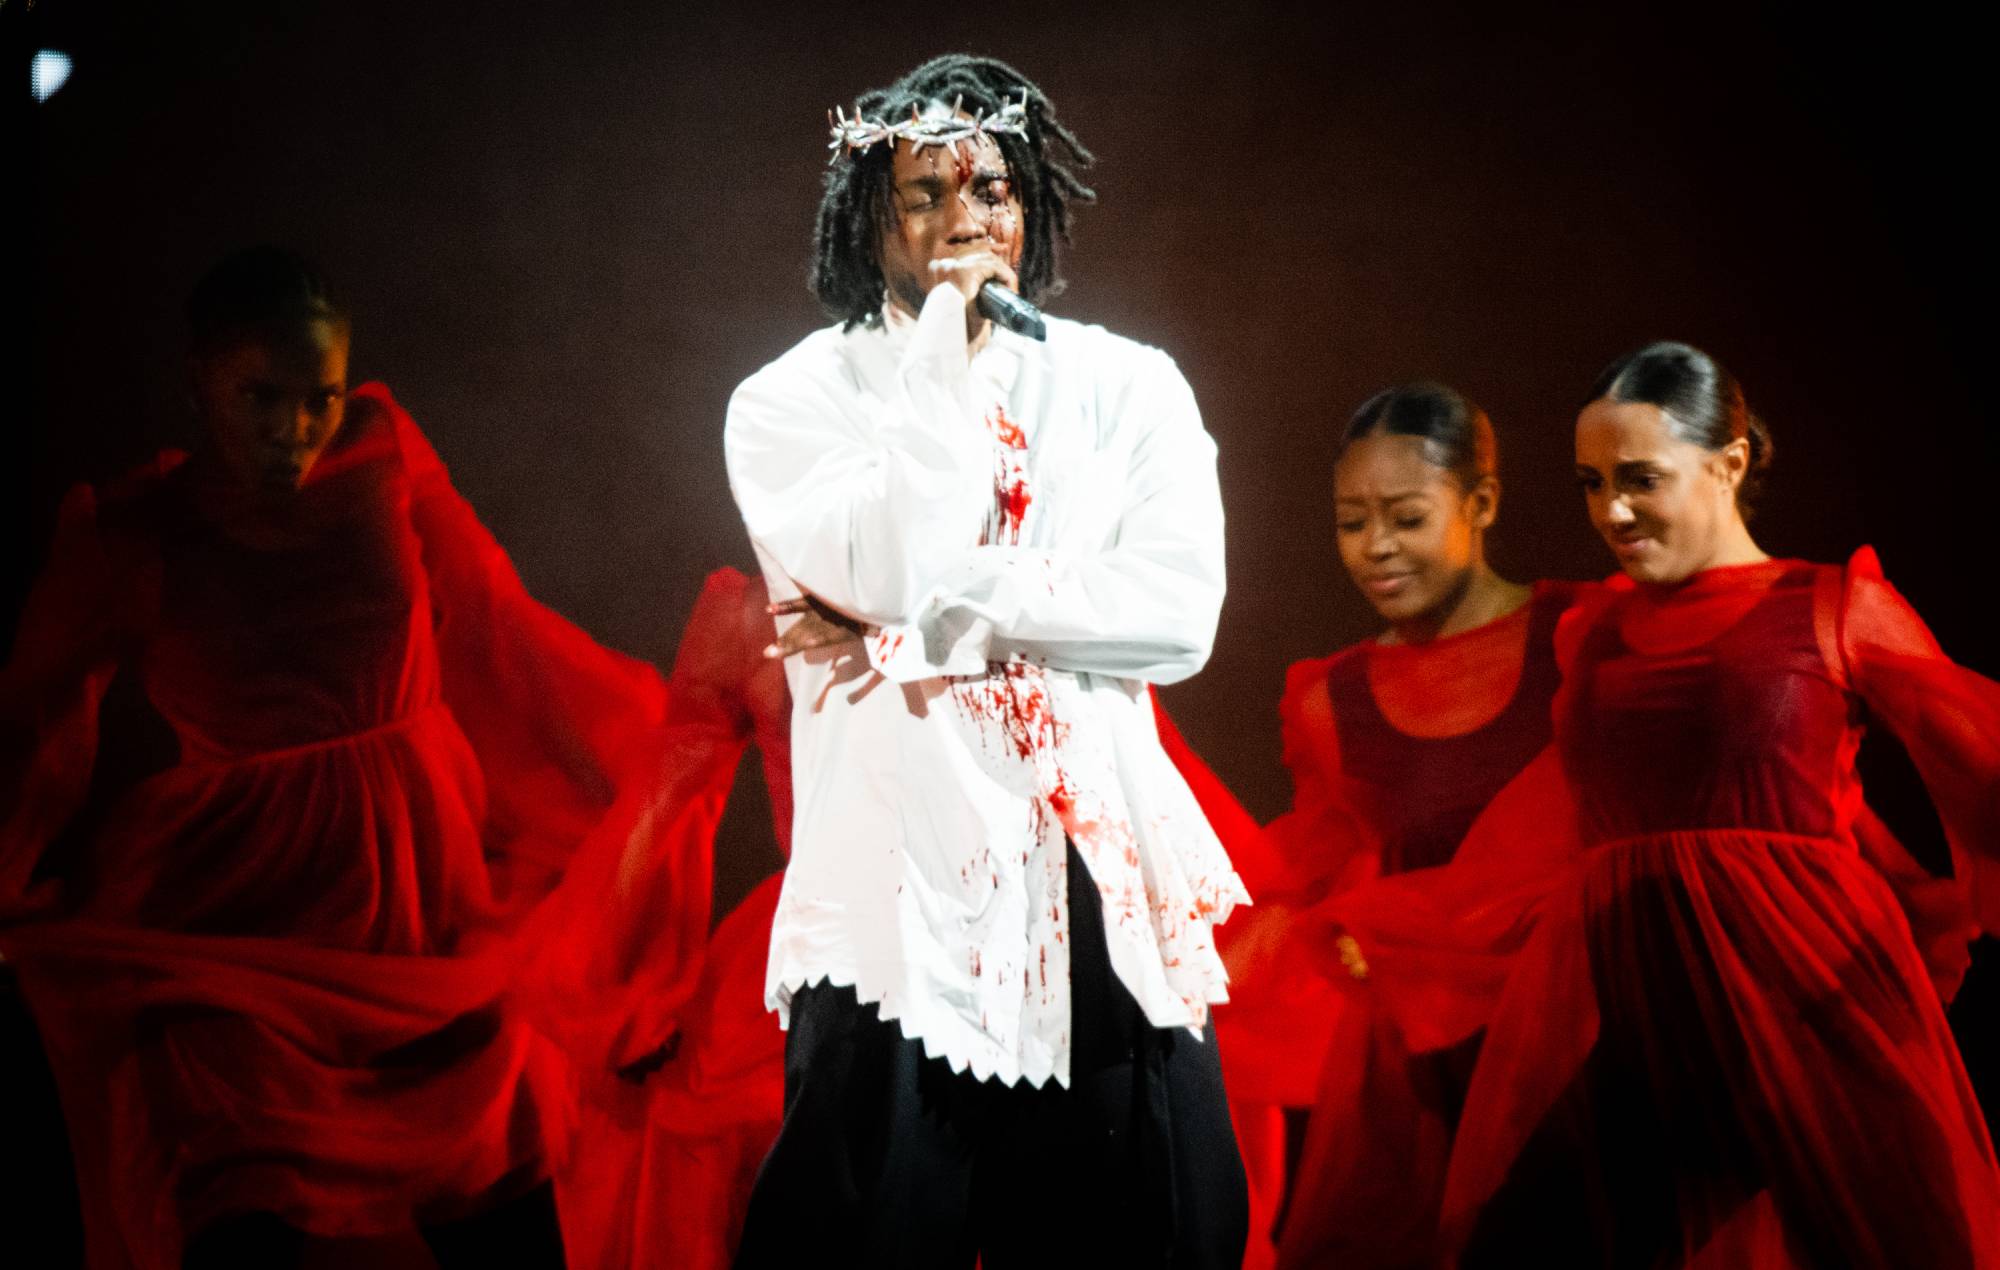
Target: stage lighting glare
49, 72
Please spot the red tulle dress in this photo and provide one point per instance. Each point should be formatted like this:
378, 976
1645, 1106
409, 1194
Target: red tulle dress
1716, 1041
1394, 751
664, 1169
429, 862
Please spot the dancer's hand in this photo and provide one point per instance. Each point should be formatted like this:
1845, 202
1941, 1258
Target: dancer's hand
818, 626
1350, 956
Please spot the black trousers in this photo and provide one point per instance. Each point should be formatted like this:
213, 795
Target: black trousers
888, 1158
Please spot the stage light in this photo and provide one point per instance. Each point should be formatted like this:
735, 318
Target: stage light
48, 73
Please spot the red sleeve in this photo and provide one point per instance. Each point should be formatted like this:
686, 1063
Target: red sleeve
1279, 1003
1947, 717
694, 1129
1587, 605
1265, 1052
604, 788
1241, 836
721, 673
1305, 726
1310, 850
1326, 842
723, 692
1939, 910
1438, 944
71, 637
537, 696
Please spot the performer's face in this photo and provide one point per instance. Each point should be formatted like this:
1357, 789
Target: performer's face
1409, 533
272, 401
1665, 506
948, 201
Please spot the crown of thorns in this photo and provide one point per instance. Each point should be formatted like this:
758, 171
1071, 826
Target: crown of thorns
858, 134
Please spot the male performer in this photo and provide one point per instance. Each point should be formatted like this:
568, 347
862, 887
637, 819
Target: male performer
994, 944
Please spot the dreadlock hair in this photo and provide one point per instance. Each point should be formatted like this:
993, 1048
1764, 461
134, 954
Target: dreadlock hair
256, 290
858, 201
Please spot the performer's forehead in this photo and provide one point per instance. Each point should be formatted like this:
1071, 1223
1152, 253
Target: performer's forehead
976, 160
978, 157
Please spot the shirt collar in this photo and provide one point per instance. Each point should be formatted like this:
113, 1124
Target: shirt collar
897, 326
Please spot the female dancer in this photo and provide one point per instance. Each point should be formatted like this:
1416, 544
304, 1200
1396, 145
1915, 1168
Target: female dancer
288, 985
1395, 745
1720, 1033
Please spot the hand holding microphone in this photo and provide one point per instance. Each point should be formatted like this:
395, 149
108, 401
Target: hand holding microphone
994, 296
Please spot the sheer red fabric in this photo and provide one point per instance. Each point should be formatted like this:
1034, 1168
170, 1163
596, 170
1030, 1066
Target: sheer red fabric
427, 854
664, 1167
663, 1170
1259, 1126
1717, 1030
1394, 750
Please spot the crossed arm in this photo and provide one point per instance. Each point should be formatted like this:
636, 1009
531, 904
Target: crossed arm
873, 505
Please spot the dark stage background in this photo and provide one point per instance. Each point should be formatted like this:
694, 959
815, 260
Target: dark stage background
567, 231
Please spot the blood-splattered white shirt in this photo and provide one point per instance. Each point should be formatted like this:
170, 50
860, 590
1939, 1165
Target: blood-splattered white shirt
1036, 534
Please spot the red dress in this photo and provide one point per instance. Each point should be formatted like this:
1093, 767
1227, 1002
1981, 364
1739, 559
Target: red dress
425, 849
664, 1167
1718, 1043
1394, 751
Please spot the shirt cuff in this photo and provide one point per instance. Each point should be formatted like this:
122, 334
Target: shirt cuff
951, 642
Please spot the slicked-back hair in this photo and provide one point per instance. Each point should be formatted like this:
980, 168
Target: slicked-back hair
256, 290
858, 203
1701, 400
1456, 434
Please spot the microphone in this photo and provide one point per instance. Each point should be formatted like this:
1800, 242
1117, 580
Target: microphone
1004, 308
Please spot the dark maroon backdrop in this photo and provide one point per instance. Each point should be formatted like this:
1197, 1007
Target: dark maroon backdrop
568, 230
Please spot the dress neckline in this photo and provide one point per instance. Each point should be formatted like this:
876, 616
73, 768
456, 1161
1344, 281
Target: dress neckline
1715, 578
1458, 639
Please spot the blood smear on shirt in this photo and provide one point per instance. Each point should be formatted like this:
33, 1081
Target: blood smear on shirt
1011, 495
1012, 491
1005, 430
1014, 699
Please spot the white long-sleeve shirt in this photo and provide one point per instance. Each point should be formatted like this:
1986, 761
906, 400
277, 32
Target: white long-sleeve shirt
1037, 533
